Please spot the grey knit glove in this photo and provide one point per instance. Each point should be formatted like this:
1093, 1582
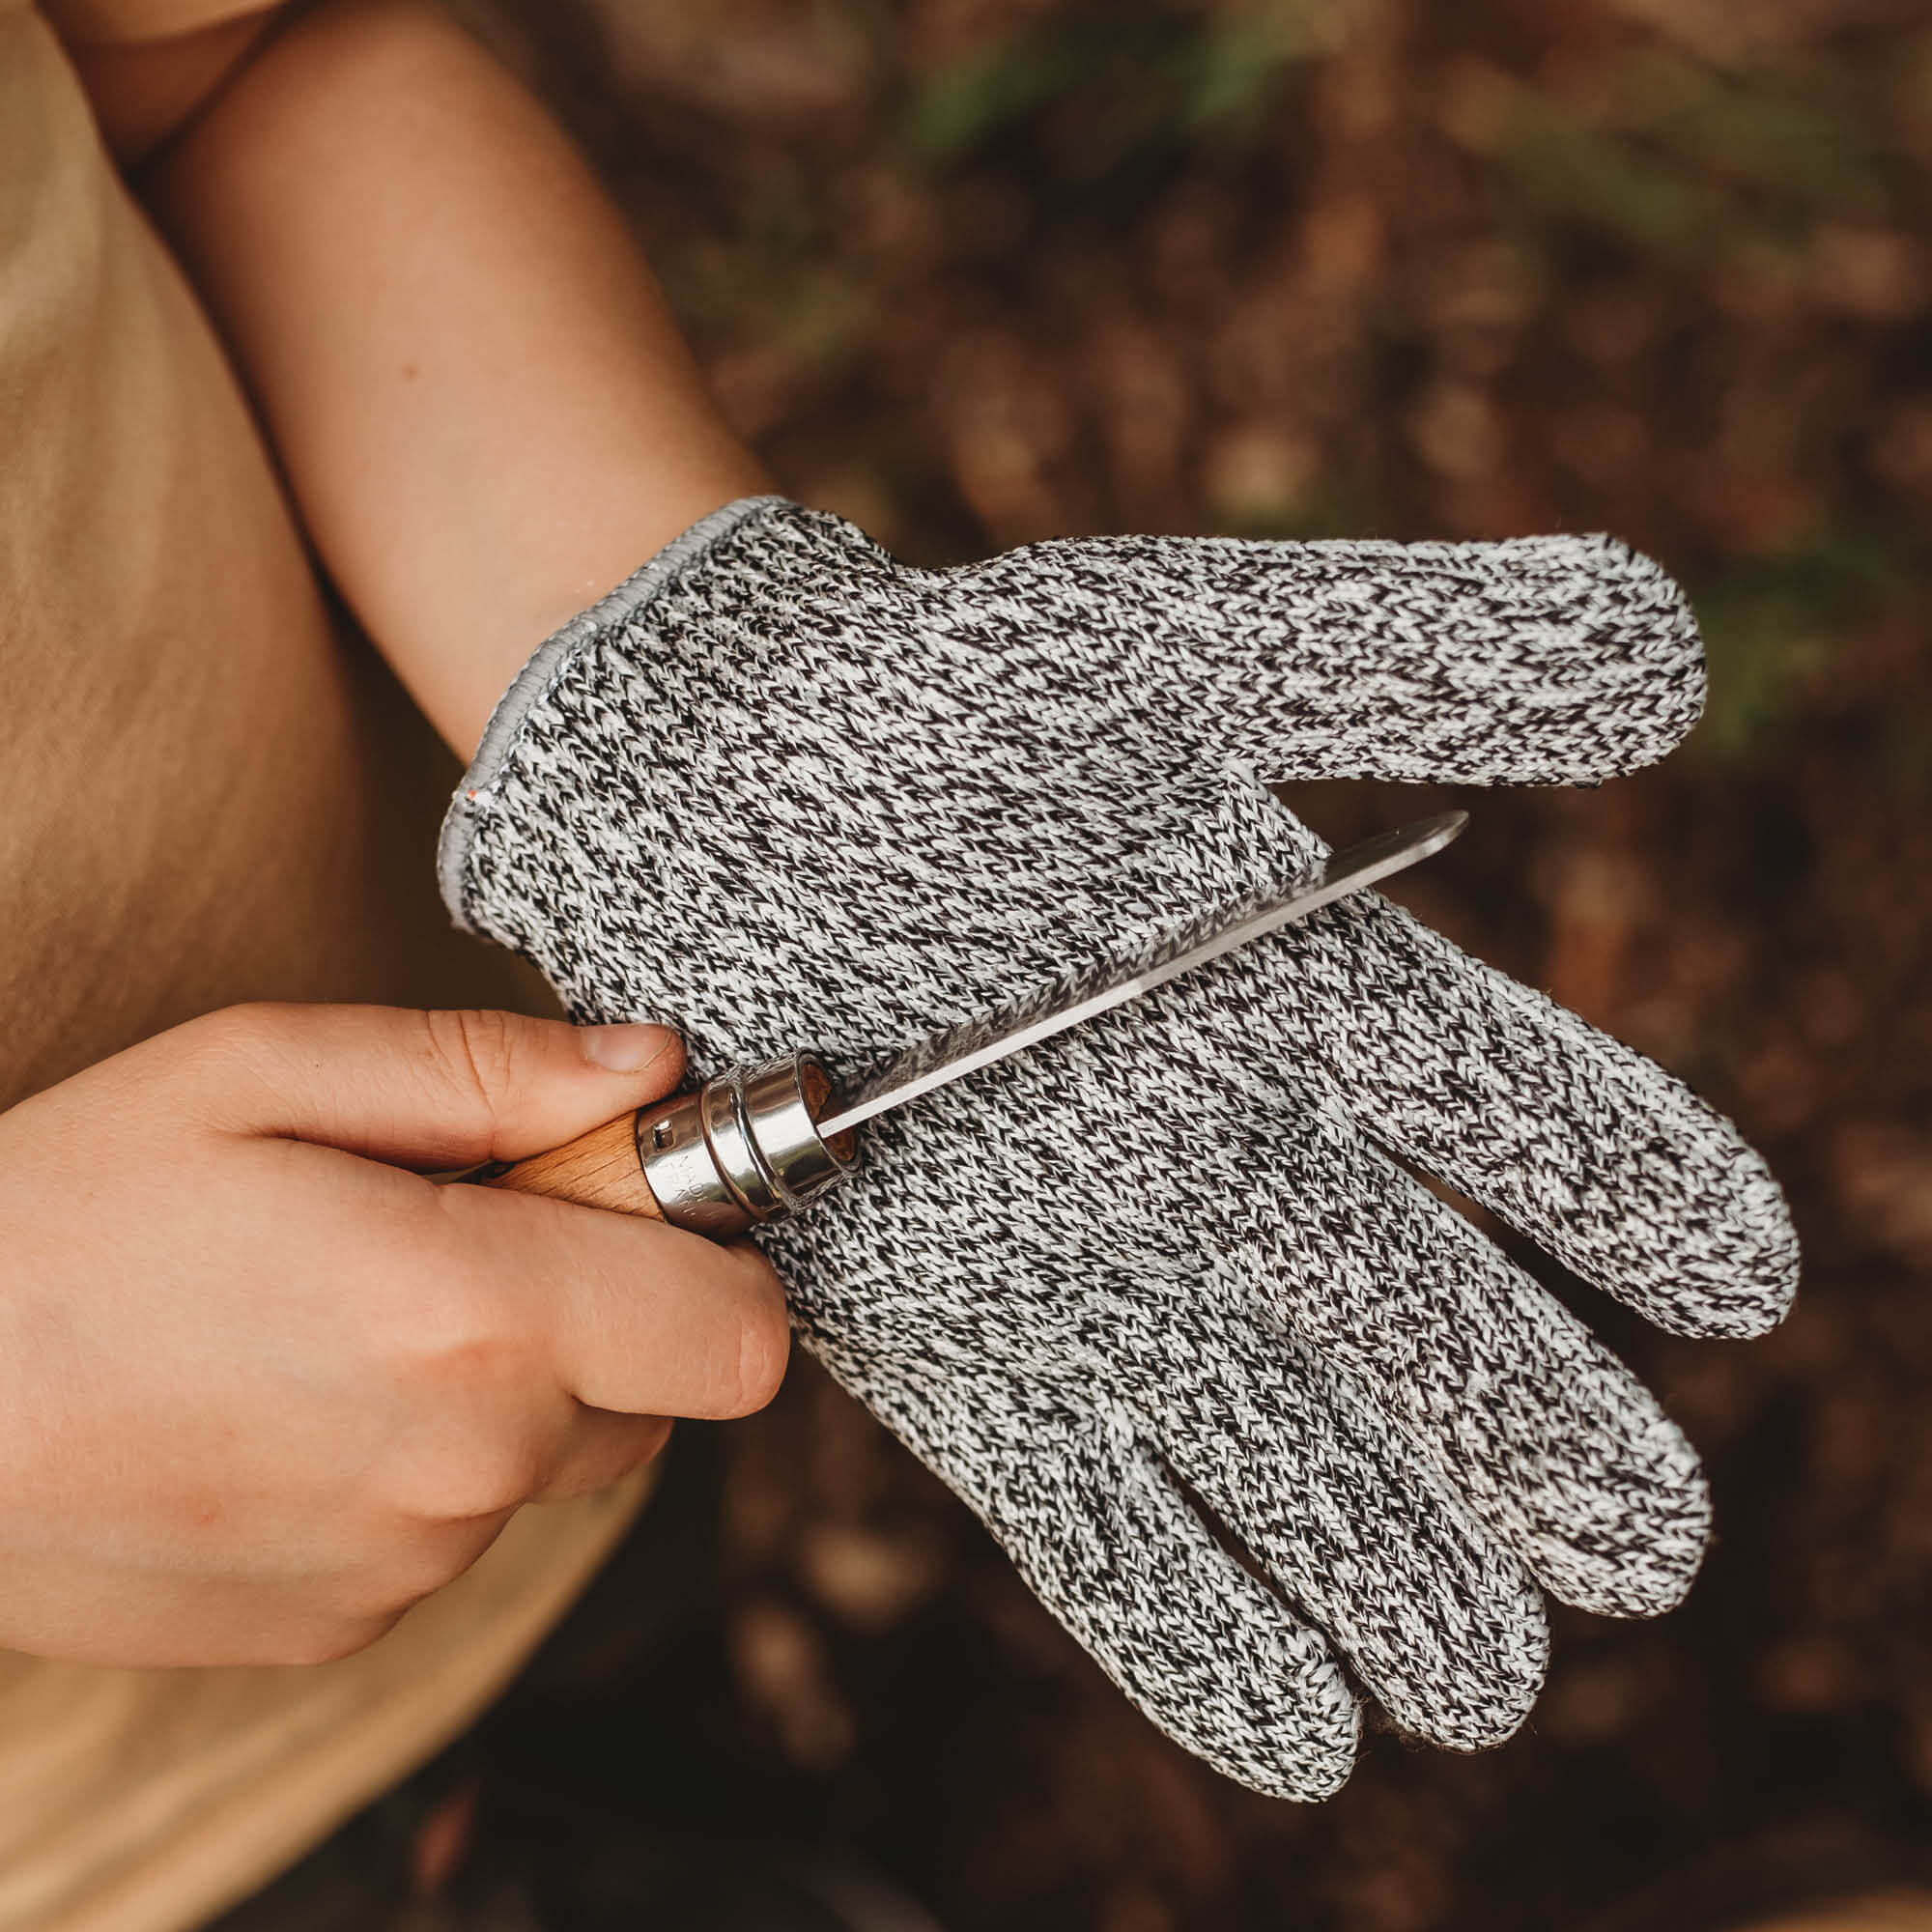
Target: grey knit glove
1164, 1285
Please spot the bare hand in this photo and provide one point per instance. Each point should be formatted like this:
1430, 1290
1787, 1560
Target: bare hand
261, 1390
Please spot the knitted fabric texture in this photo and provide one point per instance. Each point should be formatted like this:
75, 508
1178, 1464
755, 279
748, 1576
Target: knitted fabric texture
1167, 1283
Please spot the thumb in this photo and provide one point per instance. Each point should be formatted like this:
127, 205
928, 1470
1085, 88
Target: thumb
428, 1090
1553, 660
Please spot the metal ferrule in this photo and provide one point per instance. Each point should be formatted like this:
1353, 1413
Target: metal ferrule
744, 1149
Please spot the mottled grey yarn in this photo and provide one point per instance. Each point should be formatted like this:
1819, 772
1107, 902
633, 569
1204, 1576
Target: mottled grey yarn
784, 791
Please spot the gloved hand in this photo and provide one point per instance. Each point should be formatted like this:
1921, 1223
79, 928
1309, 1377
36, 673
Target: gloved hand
1164, 1283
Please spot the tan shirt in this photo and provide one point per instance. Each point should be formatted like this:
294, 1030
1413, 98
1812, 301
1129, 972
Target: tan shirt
207, 794
204, 797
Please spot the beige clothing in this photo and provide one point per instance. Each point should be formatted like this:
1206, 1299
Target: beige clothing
206, 796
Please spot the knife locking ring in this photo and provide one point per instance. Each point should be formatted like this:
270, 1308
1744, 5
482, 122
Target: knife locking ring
744, 1149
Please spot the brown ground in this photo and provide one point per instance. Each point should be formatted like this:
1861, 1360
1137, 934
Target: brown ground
982, 271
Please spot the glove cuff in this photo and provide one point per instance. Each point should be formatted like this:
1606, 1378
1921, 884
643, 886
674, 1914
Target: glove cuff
550, 661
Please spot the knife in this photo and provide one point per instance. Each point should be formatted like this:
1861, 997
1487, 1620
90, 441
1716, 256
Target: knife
756, 1143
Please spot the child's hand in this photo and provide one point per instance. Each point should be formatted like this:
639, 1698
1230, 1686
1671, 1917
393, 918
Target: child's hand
259, 1390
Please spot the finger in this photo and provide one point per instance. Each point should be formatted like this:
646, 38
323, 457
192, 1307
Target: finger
1556, 1450
634, 1316
1553, 1446
428, 1090
1104, 1537
1364, 1539
1547, 660
1592, 1151
597, 1448
1551, 1441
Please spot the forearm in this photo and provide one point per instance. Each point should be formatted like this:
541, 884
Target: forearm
483, 408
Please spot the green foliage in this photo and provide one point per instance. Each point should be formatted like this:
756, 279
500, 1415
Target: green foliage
779, 268
1771, 623
1571, 173
1681, 159
1146, 81
1332, 507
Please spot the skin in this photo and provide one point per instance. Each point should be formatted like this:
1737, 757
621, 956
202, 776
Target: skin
481, 403
262, 1385
265, 1387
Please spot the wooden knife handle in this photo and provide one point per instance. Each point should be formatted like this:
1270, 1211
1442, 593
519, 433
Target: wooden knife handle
743, 1149
599, 1168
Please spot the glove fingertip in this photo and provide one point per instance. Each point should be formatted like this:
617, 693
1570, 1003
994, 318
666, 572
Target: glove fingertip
1298, 1730
1634, 607
1540, 660
1632, 1550
1489, 1706
1728, 1272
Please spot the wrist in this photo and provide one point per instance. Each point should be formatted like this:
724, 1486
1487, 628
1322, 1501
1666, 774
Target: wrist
527, 594
479, 399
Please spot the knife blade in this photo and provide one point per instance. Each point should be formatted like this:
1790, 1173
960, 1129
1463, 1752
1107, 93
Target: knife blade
953, 1056
755, 1143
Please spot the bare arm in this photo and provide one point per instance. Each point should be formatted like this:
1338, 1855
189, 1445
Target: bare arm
483, 408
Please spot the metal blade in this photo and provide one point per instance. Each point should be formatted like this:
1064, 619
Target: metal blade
954, 1055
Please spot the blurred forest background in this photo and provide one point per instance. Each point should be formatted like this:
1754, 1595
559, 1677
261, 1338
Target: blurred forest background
977, 272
